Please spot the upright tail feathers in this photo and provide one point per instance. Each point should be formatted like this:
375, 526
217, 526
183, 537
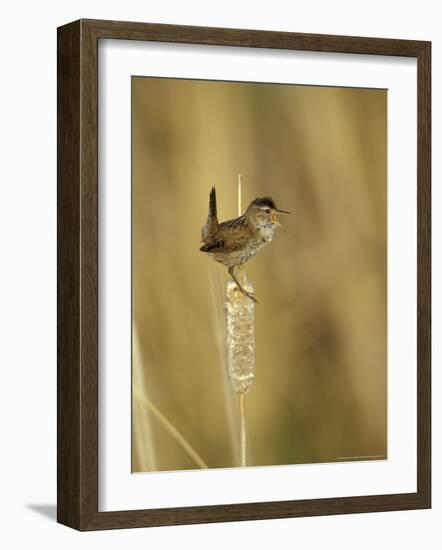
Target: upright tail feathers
210, 228
212, 203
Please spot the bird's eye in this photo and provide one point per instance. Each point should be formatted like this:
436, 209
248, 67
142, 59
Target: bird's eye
267, 210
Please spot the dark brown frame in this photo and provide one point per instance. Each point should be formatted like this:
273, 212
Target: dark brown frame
77, 223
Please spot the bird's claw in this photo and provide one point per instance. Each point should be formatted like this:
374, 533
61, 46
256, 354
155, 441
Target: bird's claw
246, 294
251, 296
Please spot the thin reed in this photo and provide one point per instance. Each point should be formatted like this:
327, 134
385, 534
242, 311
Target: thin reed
240, 341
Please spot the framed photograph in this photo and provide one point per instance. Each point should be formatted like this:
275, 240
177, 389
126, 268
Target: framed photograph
243, 274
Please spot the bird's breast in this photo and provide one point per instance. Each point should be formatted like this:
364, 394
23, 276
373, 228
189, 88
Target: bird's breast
265, 234
262, 238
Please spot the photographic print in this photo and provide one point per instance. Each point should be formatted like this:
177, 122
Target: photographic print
259, 274
222, 274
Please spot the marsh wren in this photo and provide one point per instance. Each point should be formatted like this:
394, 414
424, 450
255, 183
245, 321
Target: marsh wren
235, 242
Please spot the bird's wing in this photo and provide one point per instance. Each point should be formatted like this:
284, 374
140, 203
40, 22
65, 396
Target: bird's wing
232, 235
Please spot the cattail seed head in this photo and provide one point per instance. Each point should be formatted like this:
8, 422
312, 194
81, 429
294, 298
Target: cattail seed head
240, 336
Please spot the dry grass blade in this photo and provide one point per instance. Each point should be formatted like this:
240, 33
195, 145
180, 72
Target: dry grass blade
171, 430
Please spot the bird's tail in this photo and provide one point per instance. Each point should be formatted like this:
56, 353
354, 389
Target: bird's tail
210, 228
212, 203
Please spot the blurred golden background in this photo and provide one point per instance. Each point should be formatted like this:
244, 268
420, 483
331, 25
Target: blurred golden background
320, 392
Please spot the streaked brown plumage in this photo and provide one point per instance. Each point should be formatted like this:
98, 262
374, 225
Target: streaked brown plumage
234, 242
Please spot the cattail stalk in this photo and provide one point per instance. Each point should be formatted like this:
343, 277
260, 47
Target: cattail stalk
242, 413
240, 342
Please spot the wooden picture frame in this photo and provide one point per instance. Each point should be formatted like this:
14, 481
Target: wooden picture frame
77, 461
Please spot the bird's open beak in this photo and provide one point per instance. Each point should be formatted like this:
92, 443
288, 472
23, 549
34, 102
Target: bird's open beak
276, 222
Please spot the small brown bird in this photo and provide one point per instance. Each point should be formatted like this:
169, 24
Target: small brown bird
235, 242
